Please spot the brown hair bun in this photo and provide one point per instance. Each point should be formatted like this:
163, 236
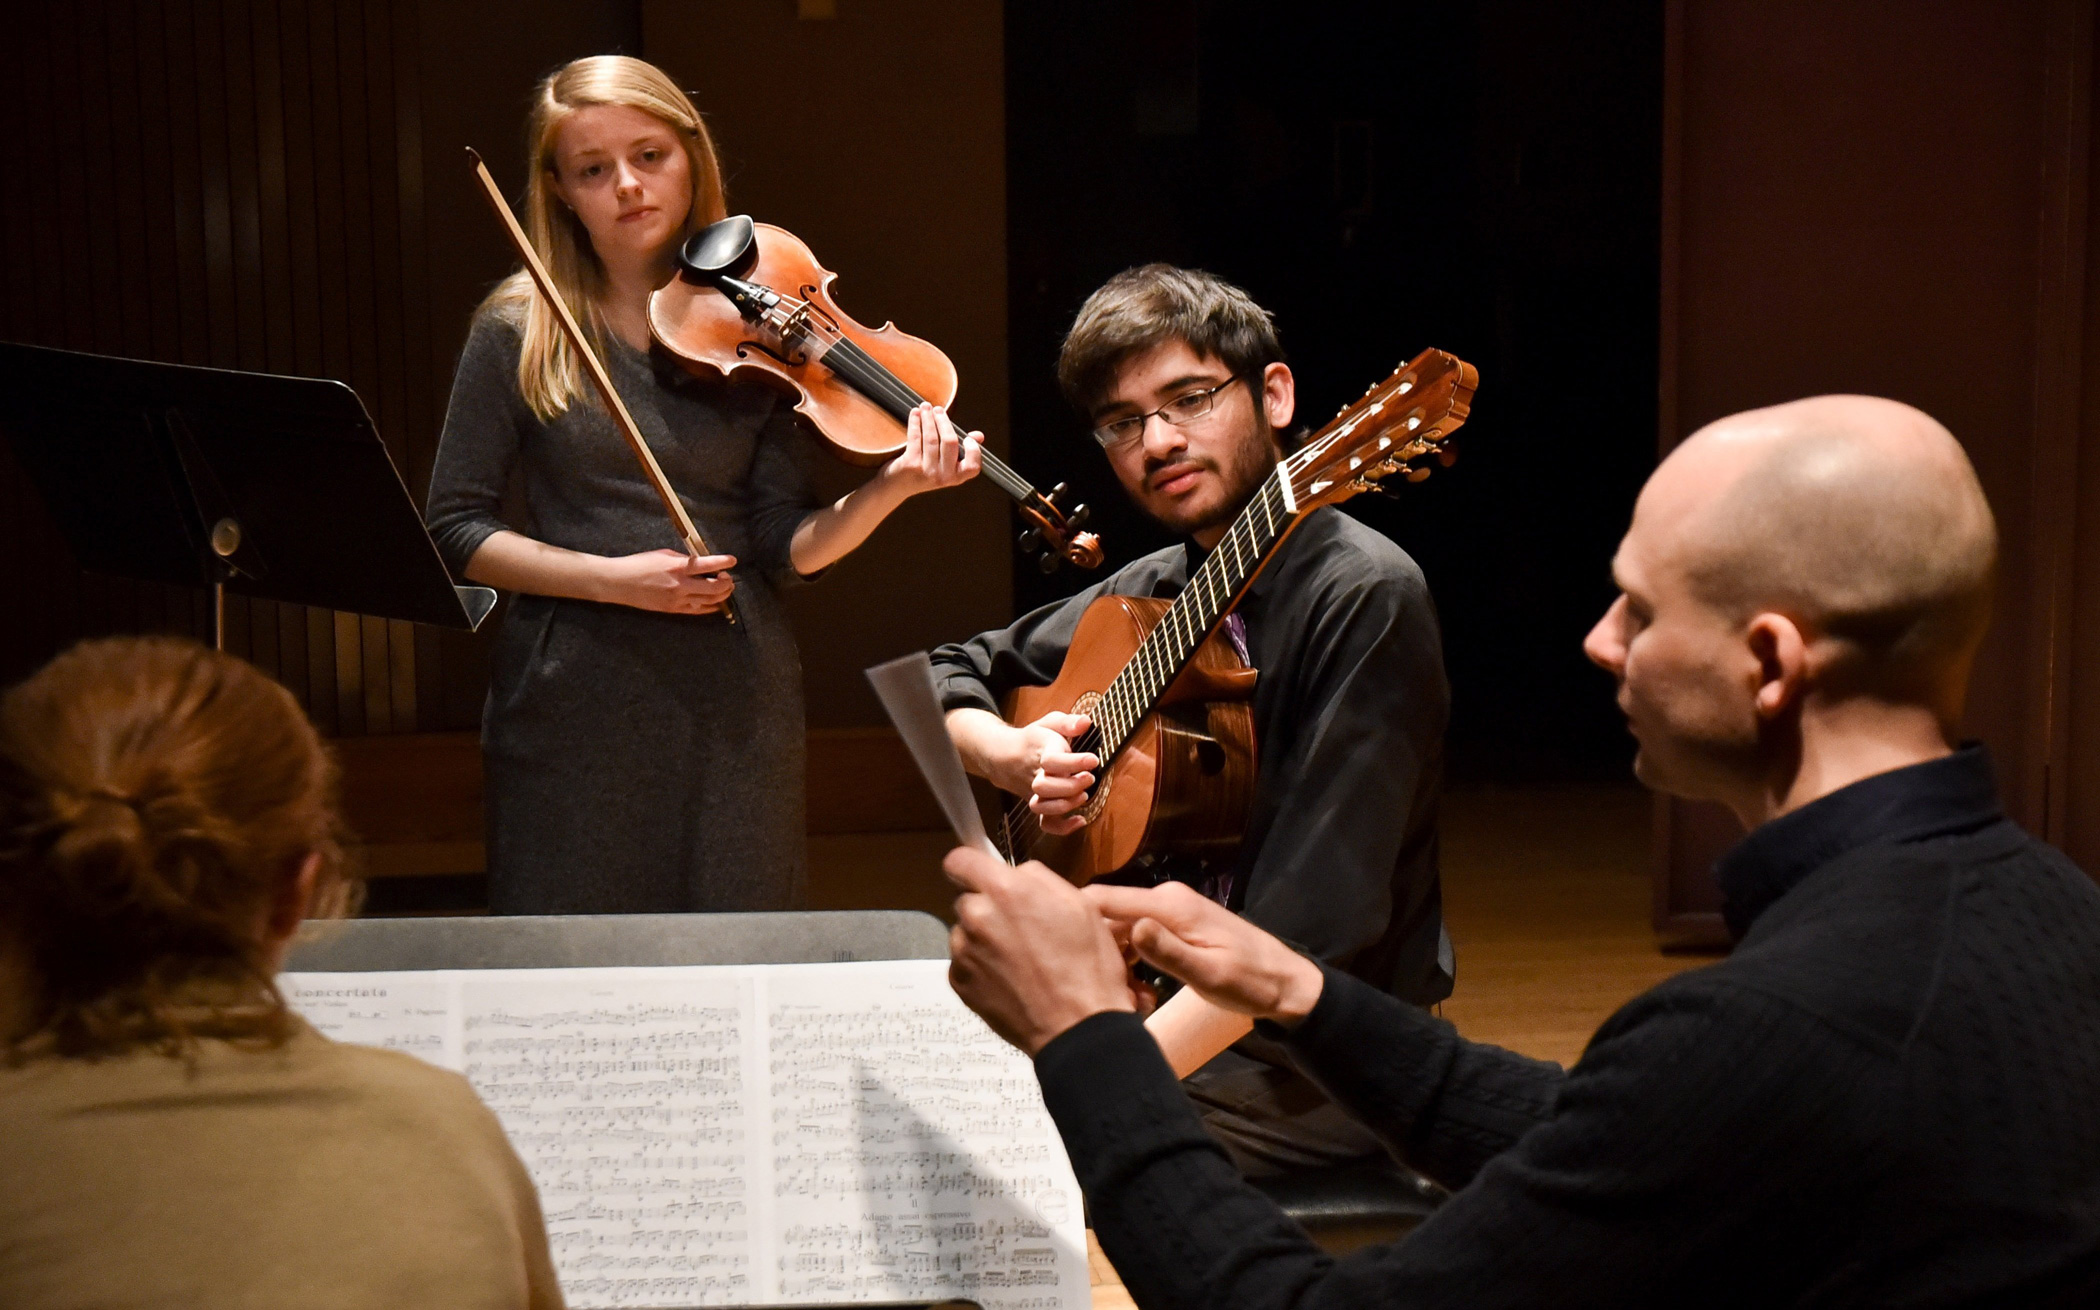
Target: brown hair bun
157, 800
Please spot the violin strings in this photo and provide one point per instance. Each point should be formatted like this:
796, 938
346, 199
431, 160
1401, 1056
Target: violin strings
866, 372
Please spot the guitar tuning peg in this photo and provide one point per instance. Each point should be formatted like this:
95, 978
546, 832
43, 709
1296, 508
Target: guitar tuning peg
1417, 475
1447, 456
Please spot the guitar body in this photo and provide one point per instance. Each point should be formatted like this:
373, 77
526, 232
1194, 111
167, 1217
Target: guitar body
1184, 781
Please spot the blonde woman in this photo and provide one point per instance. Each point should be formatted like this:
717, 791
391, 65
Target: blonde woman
641, 753
170, 1133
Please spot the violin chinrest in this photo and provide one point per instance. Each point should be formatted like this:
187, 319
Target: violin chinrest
724, 249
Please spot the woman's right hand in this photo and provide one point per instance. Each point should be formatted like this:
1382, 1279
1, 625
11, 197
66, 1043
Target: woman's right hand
667, 581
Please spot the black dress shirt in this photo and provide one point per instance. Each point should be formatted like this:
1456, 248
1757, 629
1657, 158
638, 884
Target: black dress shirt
1889, 1095
1340, 853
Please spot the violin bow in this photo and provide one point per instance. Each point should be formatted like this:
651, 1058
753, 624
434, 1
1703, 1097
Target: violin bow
695, 547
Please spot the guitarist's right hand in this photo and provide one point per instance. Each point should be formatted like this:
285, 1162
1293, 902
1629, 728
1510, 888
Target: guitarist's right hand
1057, 784
1035, 760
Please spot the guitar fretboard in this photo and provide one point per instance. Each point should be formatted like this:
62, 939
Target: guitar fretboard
1195, 613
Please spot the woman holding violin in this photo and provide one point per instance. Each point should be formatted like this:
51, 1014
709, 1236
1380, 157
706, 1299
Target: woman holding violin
642, 753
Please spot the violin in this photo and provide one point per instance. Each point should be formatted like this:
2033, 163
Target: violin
751, 300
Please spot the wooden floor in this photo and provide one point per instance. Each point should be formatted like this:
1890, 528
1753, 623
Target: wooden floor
1545, 890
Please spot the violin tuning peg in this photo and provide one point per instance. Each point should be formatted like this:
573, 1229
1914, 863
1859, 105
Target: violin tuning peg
1047, 561
1055, 492
1031, 540
1081, 515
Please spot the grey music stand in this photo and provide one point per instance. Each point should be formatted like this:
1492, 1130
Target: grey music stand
267, 486
592, 941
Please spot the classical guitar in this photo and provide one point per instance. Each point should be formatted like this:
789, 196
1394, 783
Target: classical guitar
1169, 700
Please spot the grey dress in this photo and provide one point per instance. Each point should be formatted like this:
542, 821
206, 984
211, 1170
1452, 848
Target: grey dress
635, 761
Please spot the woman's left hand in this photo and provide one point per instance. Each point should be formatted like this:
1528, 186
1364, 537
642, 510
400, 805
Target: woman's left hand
934, 455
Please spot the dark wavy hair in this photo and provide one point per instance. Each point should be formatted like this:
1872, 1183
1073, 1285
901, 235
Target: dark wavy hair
1143, 307
156, 799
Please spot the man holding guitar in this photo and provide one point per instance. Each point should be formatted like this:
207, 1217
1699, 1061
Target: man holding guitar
1182, 379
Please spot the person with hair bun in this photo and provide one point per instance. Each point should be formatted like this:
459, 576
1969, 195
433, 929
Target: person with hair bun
173, 1134
641, 754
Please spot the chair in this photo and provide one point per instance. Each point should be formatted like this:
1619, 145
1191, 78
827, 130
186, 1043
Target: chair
1356, 1205
605, 940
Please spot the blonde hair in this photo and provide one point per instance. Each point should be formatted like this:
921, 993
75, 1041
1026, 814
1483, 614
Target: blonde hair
550, 375
157, 799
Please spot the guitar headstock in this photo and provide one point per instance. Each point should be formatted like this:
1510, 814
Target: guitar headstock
1398, 422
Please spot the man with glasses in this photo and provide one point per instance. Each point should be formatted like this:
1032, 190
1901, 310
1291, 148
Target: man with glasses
1182, 380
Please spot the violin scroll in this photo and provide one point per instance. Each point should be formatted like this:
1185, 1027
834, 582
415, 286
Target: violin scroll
1056, 535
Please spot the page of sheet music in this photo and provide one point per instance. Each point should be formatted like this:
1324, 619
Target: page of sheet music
627, 1093
766, 1134
912, 1156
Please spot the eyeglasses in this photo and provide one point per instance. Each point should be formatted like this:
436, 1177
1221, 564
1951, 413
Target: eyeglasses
1185, 408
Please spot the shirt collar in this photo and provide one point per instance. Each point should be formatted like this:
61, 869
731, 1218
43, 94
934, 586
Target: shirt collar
1955, 793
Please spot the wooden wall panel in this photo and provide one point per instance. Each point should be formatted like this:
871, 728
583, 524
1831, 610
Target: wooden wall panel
1890, 198
235, 183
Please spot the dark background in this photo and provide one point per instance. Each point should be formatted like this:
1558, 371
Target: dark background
1482, 178
276, 185
1633, 218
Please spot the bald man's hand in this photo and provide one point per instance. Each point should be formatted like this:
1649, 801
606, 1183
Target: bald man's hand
1028, 952
1227, 960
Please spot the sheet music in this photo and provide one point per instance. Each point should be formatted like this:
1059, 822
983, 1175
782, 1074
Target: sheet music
912, 1156
628, 1096
905, 688
751, 1135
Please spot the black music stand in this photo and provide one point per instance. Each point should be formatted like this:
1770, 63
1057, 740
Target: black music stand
267, 486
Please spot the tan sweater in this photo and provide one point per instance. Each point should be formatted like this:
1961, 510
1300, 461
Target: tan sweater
318, 1175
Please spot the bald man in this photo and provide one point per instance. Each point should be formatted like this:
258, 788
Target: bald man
1888, 1095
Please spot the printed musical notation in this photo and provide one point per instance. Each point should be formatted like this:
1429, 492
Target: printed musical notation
751, 1135
625, 1098
911, 1155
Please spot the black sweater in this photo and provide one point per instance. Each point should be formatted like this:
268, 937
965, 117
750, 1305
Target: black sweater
1889, 1095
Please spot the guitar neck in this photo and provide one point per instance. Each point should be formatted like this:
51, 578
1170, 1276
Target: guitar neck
1196, 612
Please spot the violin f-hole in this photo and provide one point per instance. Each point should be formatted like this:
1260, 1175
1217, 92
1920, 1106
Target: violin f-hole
770, 353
